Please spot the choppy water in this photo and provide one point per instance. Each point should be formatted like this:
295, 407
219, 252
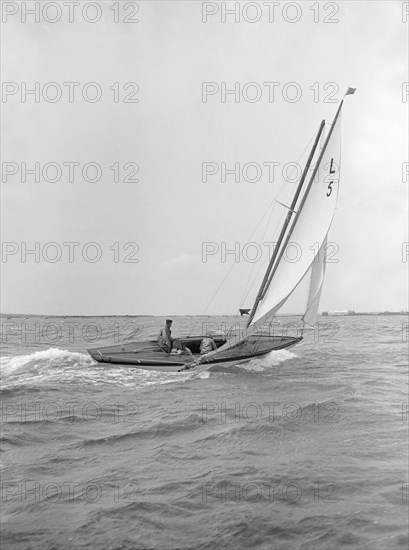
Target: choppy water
303, 449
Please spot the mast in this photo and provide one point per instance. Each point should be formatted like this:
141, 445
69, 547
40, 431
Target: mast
269, 276
290, 212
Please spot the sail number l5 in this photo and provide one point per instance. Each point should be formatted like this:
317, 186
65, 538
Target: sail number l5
331, 171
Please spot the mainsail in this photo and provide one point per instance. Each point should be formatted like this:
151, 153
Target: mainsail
310, 227
306, 227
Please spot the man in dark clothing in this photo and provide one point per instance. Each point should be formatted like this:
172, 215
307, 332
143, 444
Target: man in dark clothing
165, 339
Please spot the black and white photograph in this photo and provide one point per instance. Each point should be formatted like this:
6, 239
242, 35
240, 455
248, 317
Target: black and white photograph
204, 275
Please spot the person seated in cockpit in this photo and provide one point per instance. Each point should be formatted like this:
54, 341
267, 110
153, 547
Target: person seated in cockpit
166, 341
207, 344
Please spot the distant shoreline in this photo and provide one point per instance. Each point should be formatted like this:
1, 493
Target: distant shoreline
324, 314
364, 313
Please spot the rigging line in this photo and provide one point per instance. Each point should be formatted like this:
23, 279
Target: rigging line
283, 185
218, 289
306, 148
245, 294
233, 265
262, 265
272, 204
246, 289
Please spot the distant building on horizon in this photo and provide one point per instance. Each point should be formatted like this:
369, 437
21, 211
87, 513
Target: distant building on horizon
339, 312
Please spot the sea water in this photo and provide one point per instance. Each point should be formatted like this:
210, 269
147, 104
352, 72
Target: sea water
301, 449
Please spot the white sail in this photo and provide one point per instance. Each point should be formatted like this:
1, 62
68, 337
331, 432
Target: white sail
316, 284
311, 226
312, 220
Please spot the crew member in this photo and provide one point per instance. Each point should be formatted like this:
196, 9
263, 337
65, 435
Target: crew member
165, 339
207, 344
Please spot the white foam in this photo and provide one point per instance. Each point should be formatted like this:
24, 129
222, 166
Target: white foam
204, 375
14, 364
57, 365
265, 362
54, 365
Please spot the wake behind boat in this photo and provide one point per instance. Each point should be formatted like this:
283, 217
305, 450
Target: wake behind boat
307, 223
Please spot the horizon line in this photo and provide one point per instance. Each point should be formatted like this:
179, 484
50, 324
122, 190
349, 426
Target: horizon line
329, 313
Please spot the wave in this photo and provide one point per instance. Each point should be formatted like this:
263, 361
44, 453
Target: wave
273, 359
257, 364
41, 369
150, 430
50, 358
47, 369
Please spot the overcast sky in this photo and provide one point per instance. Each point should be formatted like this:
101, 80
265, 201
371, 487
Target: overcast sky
170, 213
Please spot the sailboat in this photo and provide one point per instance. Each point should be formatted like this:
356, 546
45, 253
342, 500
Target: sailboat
308, 221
